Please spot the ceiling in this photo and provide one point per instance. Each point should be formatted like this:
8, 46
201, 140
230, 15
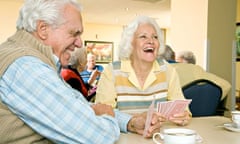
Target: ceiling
121, 12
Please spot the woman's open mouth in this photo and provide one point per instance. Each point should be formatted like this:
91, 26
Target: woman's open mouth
148, 50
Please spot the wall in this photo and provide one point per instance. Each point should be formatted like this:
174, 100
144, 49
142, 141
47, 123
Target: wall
238, 11
8, 15
188, 28
221, 36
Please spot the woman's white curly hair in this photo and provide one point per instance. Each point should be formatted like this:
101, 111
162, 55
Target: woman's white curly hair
125, 45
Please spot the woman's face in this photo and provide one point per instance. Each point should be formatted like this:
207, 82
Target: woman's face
145, 43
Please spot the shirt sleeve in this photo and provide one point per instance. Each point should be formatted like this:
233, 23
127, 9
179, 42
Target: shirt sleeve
174, 87
35, 93
123, 120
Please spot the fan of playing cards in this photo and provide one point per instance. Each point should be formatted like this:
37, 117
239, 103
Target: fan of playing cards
169, 108
166, 108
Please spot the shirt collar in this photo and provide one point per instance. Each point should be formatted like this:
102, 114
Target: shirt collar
57, 63
126, 66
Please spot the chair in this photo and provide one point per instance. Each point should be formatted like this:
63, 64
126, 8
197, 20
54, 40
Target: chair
205, 95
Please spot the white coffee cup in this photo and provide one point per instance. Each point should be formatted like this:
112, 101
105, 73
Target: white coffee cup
236, 118
177, 136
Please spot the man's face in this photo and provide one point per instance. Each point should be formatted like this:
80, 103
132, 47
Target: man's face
65, 38
91, 61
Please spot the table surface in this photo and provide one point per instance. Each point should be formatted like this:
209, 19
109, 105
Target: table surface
209, 128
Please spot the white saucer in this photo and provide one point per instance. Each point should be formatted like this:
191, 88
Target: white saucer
229, 126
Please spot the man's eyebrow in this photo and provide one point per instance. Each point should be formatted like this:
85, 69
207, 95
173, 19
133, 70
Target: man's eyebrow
79, 31
76, 33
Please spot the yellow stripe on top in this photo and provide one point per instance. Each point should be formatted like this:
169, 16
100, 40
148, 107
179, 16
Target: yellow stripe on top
141, 97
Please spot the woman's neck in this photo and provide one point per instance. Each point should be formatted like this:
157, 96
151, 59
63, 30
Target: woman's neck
142, 71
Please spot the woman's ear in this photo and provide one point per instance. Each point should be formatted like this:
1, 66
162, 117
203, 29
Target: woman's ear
42, 30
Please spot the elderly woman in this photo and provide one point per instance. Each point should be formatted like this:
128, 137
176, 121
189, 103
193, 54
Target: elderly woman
140, 76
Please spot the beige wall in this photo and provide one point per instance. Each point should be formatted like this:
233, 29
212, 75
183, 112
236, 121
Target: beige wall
221, 35
8, 15
238, 10
189, 26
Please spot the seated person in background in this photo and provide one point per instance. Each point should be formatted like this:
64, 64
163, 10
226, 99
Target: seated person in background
140, 76
168, 54
71, 73
186, 57
36, 105
188, 73
92, 72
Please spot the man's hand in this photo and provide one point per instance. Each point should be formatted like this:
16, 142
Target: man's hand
101, 109
137, 123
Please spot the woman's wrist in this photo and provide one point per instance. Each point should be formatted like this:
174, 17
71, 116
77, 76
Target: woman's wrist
131, 125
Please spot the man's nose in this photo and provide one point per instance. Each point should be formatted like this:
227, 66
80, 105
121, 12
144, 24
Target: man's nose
78, 42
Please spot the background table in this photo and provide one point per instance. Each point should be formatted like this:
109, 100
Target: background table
209, 128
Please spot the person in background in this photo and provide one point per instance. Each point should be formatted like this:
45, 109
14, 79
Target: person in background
36, 105
186, 57
92, 72
168, 54
71, 73
140, 77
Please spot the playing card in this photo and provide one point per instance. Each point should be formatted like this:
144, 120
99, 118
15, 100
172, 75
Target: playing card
149, 118
178, 106
166, 107
170, 108
163, 107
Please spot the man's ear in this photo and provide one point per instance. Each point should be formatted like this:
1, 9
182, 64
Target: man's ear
42, 30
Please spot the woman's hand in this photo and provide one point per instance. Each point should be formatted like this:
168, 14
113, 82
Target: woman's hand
181, 118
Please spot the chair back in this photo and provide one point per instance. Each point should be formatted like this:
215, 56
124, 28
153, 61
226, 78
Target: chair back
205, 96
